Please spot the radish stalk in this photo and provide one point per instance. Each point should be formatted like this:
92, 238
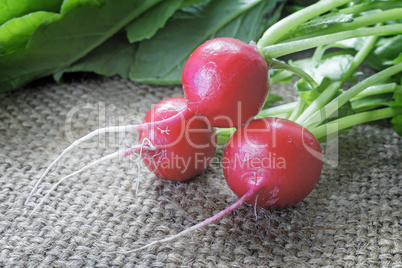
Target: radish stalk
274, 51
355, 119
328, 93
326, 111
363, 21
282, 27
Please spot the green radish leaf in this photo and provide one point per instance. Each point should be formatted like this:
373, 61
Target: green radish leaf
271, 99
197, 10
10, 9
113, 57
387, 50
320, 23
355, 43
66, 38
15, 33
397, 59
146, 25
397, 103
187, 3
397, 122
307, 93
245, 20
333, 66
74, 4
397, 97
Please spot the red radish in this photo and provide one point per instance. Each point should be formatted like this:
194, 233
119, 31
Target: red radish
184, 149
268, 162
178, 152
278, 159
224, 79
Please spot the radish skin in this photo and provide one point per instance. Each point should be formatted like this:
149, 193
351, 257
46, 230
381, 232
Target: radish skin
192, 139
217, 80
278, 157
268, 187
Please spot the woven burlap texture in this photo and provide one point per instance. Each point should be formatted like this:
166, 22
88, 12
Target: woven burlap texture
93, 214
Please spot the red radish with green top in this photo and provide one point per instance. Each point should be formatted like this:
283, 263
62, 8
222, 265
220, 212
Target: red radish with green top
179, 152
217, 81
225, 80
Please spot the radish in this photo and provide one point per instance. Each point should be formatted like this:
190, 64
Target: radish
276, 159
179, 152
184, 149
224, 79
269, 162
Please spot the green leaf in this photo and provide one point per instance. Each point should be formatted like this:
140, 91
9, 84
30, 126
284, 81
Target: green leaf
387, 50
15, 33
271, 99
66, 38
244, 20
146, 25
397, 97
333, 66
397, 122
307, 93
319, 23
113, 57
397, 59
187, 3
74, 4
10, 9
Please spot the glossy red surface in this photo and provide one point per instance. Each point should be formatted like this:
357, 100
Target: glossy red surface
225, 80
278, 158
184, 149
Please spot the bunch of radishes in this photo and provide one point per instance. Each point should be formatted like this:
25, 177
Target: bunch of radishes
267, 162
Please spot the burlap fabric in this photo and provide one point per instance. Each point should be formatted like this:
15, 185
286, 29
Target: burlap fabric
357, 202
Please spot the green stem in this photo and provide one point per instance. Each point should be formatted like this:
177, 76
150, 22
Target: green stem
282, 27
381, 5
221, 140
277, 110
298, 110
375, 90
329, 109
225, 131
282, 49
320, 101
283, 74
355, 119
366, 20
328, 93
275, 64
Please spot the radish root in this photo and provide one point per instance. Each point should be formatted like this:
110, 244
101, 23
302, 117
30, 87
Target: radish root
210, 220
150, 147
181, 115
125, 152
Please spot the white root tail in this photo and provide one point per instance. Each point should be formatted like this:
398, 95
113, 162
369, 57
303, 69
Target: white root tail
210, 220
120, 153
181, 115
